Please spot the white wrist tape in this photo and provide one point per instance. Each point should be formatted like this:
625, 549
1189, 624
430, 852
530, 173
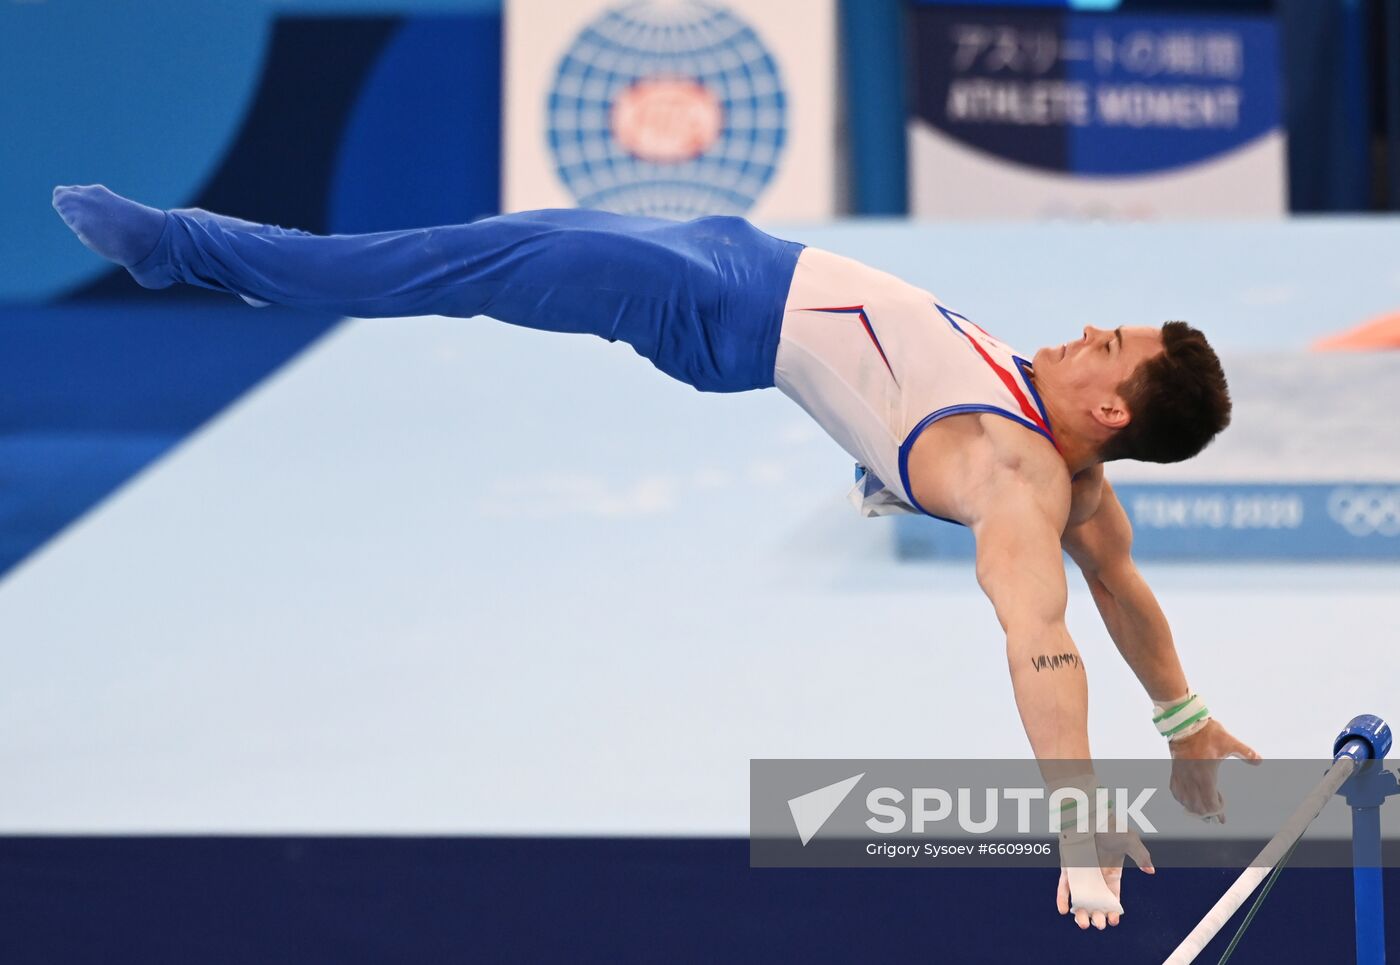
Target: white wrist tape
1089, 892
1181, 717
1079, 855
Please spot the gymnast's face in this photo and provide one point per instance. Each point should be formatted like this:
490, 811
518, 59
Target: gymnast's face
1084, 376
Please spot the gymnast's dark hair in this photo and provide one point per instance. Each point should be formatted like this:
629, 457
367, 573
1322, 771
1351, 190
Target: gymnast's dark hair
1178, 401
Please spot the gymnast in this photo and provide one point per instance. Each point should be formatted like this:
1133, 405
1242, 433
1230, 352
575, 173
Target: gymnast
941, 418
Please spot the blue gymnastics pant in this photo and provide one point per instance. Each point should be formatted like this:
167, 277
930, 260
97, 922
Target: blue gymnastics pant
702, 300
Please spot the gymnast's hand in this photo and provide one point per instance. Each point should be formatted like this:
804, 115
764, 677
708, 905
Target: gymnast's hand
1196, 767
1093, 894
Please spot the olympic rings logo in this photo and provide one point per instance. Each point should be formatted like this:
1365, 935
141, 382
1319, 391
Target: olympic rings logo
1366, 511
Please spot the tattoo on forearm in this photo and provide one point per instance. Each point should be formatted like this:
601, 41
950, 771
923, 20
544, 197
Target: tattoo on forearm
1054, 661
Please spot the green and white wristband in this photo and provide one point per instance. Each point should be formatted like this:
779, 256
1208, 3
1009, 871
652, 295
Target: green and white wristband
1068, 820
1180, 718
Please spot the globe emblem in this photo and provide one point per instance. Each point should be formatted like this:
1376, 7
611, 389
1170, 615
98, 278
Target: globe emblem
668, 108
667, 120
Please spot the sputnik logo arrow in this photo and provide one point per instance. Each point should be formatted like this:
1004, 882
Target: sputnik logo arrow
812, 810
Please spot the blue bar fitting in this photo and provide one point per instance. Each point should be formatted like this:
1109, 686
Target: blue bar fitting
1366, 741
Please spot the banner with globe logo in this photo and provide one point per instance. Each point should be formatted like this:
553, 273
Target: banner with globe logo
672, 108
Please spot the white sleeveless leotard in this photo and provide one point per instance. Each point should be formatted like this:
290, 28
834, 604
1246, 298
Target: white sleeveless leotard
876, 361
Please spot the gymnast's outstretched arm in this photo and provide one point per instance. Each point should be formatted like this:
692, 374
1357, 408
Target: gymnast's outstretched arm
1017, 518
1101, 545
